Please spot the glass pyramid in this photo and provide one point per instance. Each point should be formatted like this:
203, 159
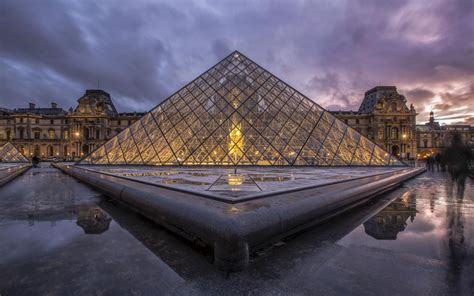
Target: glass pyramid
237, 113
9, 153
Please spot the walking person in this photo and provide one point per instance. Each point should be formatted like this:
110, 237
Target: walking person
458, 159
429, 162
438, 160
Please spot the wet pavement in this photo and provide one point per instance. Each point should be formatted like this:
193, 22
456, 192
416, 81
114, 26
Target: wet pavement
57, 240
59, 237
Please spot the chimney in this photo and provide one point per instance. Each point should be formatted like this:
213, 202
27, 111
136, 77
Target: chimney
32, 106
54, 105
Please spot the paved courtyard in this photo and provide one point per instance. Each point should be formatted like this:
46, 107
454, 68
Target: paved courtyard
59, 237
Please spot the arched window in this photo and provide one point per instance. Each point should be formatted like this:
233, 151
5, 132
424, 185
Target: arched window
425, 143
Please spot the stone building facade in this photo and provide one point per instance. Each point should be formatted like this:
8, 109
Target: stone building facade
385, 118
54, 133
432, 137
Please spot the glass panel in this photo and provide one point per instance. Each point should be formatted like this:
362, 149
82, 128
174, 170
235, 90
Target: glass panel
239, 114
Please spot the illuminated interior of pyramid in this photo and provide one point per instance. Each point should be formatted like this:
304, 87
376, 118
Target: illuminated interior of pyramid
9, 153
237, 113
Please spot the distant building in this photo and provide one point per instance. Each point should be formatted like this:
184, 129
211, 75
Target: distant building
54, 133
433, 137
385, 118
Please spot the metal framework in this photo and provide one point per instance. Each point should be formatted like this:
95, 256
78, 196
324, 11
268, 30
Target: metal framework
9, 153
237, 113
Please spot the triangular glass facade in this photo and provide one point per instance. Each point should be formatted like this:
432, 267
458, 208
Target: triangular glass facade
9, 153
237, 113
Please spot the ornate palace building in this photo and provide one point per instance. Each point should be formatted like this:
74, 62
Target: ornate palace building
54, 133
385, 118
432, 137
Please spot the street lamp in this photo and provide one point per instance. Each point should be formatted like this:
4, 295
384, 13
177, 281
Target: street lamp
76, 134
404, 136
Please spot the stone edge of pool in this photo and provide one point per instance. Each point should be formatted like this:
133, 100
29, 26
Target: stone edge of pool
234, 230
10, 173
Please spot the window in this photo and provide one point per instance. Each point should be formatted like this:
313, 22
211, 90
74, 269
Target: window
37, 135
52, 121
425, 143
381, 133
394, 133
37, 121
9, 135
119, 122
51, 134
66, 134
357, 121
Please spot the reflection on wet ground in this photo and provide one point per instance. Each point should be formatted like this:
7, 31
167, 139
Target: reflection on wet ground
57, 239
60, 237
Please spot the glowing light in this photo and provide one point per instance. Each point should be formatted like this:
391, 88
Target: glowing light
76, 134
236, 143
235, 180
404, 136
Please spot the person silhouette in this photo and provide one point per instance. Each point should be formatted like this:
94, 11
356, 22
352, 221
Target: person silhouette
458, 158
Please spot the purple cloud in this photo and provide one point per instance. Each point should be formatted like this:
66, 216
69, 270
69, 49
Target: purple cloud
333, 51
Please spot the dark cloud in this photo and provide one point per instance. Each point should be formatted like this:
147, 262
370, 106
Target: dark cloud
442, 106
333, 51
420, 95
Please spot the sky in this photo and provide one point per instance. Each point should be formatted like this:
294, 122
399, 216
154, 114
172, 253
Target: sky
331, 51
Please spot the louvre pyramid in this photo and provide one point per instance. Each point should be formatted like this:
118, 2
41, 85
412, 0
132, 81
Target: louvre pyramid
9, 153
237, 113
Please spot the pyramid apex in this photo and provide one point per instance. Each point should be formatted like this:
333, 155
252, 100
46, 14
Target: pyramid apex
235, 54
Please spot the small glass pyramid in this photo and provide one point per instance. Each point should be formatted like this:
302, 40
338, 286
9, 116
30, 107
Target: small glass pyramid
237, 113
9, 153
